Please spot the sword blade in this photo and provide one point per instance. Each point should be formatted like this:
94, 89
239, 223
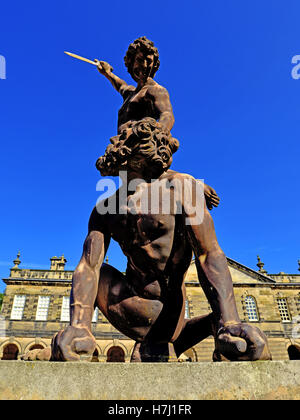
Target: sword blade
80, 58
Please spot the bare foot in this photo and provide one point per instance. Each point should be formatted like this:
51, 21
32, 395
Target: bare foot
38, 354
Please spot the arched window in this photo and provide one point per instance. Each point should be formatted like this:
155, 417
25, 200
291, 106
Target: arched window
36, 347
115, 354
294, 352
251, 309
10, 352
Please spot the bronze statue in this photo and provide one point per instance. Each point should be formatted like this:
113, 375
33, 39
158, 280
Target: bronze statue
147, 302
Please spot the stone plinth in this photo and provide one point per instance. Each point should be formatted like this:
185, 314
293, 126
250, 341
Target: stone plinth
278, 380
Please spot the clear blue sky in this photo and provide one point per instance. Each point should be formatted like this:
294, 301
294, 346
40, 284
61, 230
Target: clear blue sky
227, 67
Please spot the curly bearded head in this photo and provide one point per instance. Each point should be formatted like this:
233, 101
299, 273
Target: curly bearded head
145, 147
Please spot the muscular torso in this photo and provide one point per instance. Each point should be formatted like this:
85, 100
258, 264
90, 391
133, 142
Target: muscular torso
156, 245
139, 104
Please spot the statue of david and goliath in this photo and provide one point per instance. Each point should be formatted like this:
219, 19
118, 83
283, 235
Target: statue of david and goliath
147, 303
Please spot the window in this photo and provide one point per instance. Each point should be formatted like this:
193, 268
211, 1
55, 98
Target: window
42, 308
251, 309
96, 314
10, 352
65, 309
115, 354
18, 307
294, 352
187, 309
283, 310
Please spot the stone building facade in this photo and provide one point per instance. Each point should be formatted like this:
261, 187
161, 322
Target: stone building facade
36, 306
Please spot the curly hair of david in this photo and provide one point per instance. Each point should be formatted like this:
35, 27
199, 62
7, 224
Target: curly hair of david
147, 148
146, 46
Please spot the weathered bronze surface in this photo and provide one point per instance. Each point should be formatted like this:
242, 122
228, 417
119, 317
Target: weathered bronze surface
147, 303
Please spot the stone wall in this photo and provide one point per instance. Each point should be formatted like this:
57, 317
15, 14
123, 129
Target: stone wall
150, 381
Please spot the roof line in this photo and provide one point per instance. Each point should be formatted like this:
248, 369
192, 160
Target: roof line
263, 276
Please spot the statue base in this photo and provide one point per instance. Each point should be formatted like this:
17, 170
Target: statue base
277, 380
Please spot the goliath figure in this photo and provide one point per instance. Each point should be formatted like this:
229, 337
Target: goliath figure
147, 303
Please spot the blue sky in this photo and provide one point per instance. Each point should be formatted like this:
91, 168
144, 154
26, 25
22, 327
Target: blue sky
227, 67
